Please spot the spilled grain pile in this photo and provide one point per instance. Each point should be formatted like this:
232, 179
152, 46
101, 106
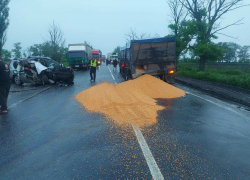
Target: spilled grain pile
131, 102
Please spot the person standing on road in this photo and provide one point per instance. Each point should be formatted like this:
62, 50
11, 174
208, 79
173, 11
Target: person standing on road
5, 83
115, 62
93, 64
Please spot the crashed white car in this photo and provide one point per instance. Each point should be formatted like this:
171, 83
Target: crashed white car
40, 70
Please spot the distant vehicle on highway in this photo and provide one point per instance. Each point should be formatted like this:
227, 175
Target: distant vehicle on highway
113, 57
103, 58
156, 57
79, 56
42, 71
97, 54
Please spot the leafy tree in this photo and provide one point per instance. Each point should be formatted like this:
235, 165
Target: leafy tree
184, 30
24, 54
229, 51
206, 13
6, 55
118, 50
36, 50
17, 50
56, 41
243, 54
4, 22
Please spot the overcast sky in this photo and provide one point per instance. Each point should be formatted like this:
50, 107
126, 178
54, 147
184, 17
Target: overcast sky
103, 23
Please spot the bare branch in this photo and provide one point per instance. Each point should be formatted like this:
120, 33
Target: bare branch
233, 24
228, 36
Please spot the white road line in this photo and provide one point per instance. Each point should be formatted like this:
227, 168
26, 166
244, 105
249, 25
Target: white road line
19, 102
218, 104
153, 167
112, 75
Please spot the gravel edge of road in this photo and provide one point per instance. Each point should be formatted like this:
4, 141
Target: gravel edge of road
222, 91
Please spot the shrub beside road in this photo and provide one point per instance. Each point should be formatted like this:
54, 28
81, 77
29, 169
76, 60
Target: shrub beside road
235, 78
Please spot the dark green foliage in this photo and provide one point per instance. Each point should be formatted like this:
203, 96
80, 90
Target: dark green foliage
243, 54
229, 50
6, 55
4, 22
117, 50
230, 77
45, 50
17, 50
208, 50
184, 33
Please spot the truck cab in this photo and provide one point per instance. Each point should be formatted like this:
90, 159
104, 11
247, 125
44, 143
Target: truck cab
79, 56
97, 54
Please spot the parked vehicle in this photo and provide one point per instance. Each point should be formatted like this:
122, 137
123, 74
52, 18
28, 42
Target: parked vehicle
156, 57
97, 54
43, 71
103, 58
13, 66
114, 56
79, 56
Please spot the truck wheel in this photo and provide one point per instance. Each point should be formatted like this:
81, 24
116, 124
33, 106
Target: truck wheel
162, 77
17, 80
128, 77
45, 80
170, 79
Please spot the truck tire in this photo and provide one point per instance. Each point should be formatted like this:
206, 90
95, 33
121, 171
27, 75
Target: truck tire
128, 76
45, 80
170, 79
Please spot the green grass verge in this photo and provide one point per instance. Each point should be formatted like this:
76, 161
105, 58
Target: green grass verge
235, 78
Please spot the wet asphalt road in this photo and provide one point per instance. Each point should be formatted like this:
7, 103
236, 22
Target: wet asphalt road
51, 136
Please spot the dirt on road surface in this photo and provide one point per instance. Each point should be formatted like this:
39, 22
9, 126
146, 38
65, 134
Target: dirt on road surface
131, 102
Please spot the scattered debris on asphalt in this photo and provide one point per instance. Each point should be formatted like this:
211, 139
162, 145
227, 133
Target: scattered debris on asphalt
130, 102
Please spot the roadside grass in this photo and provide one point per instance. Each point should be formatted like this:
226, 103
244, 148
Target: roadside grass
235, 78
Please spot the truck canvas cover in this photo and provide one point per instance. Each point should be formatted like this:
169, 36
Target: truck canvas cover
77, 48
154, 56
151, 51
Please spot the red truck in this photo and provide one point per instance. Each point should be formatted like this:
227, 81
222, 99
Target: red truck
97, 54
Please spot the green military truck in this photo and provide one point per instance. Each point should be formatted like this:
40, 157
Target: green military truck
79, 56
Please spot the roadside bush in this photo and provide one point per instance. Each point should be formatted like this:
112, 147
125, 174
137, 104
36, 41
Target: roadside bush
235, 78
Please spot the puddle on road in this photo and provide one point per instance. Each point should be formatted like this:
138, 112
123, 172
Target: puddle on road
130, 102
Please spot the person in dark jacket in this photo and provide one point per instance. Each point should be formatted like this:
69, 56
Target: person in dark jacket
5, 83
115, 62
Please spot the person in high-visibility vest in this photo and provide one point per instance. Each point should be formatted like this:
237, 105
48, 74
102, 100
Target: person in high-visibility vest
93, 64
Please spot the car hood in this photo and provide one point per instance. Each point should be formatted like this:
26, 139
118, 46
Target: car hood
40, 67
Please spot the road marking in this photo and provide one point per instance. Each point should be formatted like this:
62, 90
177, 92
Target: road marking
112, 75
19, 102
218, 104
153, 167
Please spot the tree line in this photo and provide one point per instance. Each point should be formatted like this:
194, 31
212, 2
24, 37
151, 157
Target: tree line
195, 23
53, 47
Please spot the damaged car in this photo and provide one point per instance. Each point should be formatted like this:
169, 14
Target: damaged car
43, 71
